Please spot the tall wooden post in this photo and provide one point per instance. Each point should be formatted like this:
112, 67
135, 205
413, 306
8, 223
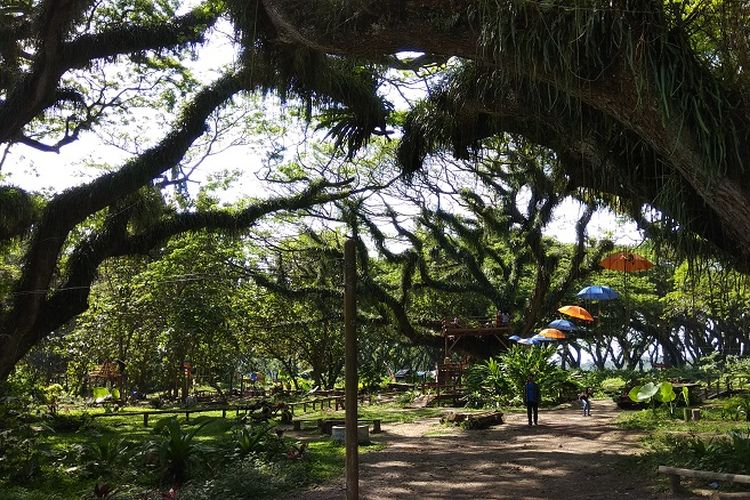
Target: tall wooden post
350, 370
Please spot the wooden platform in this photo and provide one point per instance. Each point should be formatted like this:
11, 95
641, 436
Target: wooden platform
476, 332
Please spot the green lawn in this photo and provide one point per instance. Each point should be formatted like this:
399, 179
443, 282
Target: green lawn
62, 456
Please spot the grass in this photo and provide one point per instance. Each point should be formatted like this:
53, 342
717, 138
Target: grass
67, 473
673, 442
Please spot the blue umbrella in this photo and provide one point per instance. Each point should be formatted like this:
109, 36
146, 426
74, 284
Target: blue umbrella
597, 292
563, 324
515, 338
529, 341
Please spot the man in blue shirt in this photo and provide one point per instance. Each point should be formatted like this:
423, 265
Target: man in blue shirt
531, 398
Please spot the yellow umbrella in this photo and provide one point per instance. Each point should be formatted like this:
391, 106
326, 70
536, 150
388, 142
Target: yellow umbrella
576, 312
552, 333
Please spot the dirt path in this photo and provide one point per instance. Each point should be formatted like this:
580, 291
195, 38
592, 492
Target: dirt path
566, 456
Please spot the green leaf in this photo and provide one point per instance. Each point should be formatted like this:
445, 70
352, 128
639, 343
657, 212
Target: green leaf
666, 393
647, 392
633, 394
101, 394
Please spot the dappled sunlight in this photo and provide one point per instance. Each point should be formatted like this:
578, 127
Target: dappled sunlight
566, 456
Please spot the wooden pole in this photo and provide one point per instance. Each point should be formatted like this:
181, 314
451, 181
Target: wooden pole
350, 370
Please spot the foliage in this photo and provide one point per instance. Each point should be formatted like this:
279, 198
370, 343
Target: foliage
21, 456
737, 406
612, 386
175, 451
250, 477
726, 453
499, 381
105, 453
406, 397
486, 384
258, 439
52, 395
653, 393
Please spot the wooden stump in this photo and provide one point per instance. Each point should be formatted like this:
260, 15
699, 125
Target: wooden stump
338, 433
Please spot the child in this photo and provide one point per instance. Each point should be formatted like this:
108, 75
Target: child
585, 398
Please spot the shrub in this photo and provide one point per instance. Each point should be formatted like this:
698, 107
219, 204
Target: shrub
736, 407
175, 451
105, 453
727, 453
500, 381
612, 386
486, 384
260, 439
406, 398
250, 478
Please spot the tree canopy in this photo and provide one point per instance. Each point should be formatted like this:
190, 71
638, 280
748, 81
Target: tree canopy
644, 105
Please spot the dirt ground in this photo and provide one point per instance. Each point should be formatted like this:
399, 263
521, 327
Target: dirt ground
566, 456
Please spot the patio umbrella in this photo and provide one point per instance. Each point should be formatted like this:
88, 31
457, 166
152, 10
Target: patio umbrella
626, 262
552, 333
515, 338
562, 324
529, 341
576, 312
539, 338
597, 292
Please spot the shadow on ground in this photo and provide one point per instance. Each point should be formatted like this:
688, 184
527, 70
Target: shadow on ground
566, 456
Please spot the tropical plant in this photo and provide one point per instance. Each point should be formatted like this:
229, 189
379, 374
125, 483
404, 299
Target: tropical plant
105, 453
486, 384
737, 406
52, 395
653, 393
175, 449
258, 439
725, 453
105, 491
521, 361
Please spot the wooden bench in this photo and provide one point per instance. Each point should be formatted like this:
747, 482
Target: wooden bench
326, 424
186, 411
675, 474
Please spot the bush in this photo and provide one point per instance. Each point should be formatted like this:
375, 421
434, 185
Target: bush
727, 453
249, 478
174, 449
406, 398
258, 439
495, 382
613, 386
486, 384
736, 407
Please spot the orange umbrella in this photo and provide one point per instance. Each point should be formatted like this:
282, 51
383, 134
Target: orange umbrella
552, 333
576, 312
627, 262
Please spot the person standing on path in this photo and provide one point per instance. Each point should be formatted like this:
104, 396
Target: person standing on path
531, 398
585, 398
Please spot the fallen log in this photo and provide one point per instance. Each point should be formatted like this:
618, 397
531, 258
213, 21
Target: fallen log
473, 420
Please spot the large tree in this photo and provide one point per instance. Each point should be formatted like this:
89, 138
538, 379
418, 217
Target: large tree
644, 100
57, 58
647, 100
